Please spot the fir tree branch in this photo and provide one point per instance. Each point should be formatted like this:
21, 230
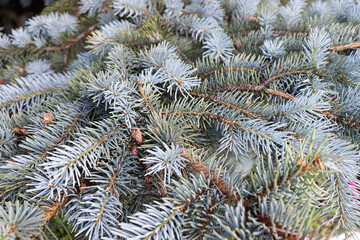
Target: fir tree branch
231, 123
237, 88
254, 88
207, 218
64, 47
302, 167
66, 133
110, 186
281, 231
192, 198
5, 52
227, 69
269, 80
222, 102
17, 185
29, 95
49, 213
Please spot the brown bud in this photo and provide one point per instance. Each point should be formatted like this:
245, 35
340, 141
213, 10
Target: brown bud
301, 164
137, 135
83, 188
47, 118
318, 162
2, 81
148, 179
24, 131
21, 69
12, 227
134, 150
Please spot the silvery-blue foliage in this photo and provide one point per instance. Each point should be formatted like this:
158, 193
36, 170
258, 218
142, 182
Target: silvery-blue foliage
51, 26
20, 37
39, 67
291, 13
315, 48
170, 160
218, 45
273, 48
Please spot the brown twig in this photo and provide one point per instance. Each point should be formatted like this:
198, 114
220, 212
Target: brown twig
53, 209
140, 83
219, 183
344, 47
279, 93
162, 182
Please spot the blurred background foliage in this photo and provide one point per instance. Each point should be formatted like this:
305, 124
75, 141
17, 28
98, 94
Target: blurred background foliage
13, 13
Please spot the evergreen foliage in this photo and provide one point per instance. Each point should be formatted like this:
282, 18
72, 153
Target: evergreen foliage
170, 119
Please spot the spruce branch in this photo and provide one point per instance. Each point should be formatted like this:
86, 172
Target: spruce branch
269, 80
65, 134
255, 88
227, 69
28, 96
222, 102
280, 230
